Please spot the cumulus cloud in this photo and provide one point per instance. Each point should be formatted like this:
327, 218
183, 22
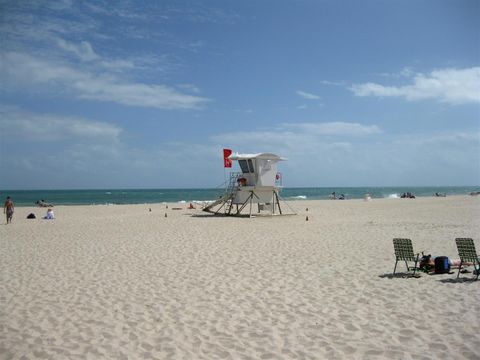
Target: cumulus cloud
118, 65
332, 83
46, 127
336, 154
406, 72
189, 87
18, 69
320, 154
453, 86
334, 128
297, 139
83, 50
307, 95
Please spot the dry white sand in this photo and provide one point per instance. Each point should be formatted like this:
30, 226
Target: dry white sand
120, 282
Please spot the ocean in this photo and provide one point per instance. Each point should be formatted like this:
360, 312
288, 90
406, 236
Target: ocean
149, 196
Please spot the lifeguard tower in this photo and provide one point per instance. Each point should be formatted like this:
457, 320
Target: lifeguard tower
258, 183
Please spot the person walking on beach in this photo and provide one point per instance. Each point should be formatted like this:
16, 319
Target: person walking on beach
8, 209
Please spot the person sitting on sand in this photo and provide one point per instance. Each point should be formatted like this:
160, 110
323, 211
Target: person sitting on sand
50, 215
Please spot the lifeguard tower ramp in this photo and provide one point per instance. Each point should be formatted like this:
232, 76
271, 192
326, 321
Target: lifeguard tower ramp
253, 190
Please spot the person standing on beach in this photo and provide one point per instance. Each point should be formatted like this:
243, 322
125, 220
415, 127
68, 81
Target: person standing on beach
8, 209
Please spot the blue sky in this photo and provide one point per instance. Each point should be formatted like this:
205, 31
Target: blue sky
146, 94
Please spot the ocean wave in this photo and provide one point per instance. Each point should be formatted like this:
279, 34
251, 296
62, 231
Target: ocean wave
393, 196
203, 202
299, 197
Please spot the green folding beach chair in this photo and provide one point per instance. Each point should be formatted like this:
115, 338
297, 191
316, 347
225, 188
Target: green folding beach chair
468, 254
404, 252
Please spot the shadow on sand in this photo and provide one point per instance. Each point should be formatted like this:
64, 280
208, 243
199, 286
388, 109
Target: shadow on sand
404, 275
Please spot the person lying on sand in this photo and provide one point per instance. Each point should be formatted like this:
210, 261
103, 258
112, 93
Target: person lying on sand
427, 263
42, 203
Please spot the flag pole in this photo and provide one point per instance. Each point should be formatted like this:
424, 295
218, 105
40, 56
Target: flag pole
224, 178
226, 163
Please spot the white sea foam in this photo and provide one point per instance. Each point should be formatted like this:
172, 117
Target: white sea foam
393, 196
203, 203
299, 197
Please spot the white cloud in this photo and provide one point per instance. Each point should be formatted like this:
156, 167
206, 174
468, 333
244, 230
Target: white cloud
334, 128
86, 153
295, 139
332, 83
84, 50
86, 53
118, 65
453, 86
406, 72
189, 87
307, 95
21, 69
45, 127
336, 154
156, 96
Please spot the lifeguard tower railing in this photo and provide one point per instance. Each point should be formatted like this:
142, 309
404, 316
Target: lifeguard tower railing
226, 201
232, 182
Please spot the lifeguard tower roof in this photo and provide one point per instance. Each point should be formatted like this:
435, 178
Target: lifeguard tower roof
264, 156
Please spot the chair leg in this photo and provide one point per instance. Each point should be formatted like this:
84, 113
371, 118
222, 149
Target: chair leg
477, 269
459, 268
395, 268
415, 266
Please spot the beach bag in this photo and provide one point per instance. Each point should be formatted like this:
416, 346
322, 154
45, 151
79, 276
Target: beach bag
31, 216
442, 265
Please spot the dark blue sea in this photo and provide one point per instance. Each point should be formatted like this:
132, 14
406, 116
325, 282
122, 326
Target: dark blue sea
147, 196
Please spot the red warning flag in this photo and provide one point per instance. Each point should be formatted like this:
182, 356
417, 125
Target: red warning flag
226, 161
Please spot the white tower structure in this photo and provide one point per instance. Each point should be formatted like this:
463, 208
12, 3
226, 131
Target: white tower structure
259, 183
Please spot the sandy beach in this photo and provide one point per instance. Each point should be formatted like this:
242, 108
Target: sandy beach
123, 282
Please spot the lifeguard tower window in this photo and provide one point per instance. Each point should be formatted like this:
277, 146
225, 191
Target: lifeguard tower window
246, 166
